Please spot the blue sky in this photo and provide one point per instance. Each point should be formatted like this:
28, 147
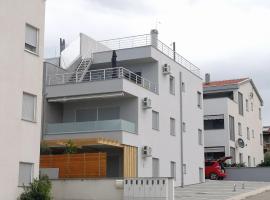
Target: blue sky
228, 38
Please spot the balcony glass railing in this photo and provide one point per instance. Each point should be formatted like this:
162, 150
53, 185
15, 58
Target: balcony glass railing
90, 126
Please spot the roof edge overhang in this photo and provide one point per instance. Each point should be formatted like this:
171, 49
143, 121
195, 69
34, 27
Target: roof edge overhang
254, 87
224, 88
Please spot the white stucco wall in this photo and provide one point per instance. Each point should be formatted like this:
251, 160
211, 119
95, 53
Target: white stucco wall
250, 119
20, 72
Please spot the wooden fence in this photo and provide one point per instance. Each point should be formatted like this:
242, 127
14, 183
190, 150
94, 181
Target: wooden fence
86, 165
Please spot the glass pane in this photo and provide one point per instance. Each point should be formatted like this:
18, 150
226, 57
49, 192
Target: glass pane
86, 115
28, 107
25, 174
108, 113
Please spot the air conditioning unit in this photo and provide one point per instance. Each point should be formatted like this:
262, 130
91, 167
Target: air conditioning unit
166, 69
146, 103
146, 151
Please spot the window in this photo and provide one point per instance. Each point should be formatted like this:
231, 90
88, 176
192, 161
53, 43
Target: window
184, 168
261, 139
252, 107
97, 114
31, 38
232, 154
260, 113
240, 103
173, 169
249, 161
25, 173
241, 158
253, 134
199, 99
155, 167
212, 122
247, 106
172, 126
200, 137
232, 129
172, 85
248, 134
155, 120
29, 107
184, 127
254, 162
108, 113
239, 129
201, 174
183, 87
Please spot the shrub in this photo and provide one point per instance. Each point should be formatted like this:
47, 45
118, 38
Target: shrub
39, 189
70, 147
267, 156
45, 149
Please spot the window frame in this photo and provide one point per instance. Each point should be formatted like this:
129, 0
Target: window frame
173, 169
172, 85
200, 137
232, 128
36, 52
172, 126
240, 129
34, 120
240, 104
31, 173
157, 114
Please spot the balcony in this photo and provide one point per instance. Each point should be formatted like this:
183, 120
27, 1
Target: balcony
91, 127
101, 75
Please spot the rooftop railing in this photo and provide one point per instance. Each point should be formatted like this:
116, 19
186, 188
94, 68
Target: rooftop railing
101, 75
145, 40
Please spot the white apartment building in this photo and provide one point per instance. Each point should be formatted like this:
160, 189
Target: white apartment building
21, 64
232, 121
137, 112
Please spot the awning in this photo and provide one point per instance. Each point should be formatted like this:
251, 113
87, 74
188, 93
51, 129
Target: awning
214, 149
213, 117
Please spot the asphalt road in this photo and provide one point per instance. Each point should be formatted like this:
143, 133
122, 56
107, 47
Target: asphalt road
262, 196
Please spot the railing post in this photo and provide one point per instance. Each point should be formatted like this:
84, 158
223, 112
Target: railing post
63, 78
76, 77
104, 74
90, 76
136, 79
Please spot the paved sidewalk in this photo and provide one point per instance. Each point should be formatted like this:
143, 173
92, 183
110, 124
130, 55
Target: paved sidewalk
220, 190
262, 196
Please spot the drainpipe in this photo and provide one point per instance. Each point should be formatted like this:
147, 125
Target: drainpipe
154, 37
181, 132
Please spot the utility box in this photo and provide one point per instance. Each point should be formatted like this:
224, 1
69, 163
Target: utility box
149, 188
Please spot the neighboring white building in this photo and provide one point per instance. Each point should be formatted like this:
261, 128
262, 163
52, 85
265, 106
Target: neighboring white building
136, 105
232, 121
21, 65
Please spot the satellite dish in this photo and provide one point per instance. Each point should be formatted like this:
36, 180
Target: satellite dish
240, 143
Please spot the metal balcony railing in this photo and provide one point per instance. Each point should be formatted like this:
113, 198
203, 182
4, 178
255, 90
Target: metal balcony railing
145, 40
90, 126
101, 75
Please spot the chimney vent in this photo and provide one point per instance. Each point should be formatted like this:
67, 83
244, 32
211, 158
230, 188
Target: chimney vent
207, 78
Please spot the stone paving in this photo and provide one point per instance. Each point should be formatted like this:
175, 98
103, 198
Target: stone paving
217, 190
